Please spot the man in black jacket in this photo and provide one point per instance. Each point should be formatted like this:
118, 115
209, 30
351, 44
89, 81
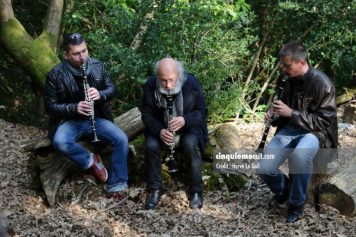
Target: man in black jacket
306, 122
188, 123
69, 113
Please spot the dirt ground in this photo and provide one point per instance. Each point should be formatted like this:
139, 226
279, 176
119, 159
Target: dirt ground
83, 210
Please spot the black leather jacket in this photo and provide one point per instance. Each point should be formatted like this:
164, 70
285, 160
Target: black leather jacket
314, 106
60, 89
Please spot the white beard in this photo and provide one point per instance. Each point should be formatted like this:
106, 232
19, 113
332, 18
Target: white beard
175, 90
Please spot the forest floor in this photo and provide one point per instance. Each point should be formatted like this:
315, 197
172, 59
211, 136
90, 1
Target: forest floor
83, 210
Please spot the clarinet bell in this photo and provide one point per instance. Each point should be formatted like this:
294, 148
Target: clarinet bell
95, 138
171, 166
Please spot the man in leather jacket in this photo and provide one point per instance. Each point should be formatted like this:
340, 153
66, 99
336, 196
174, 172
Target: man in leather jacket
306, 122
69, 113
188, 122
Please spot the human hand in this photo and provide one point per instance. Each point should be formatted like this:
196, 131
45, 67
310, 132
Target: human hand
93, 93
85, 108
166, 136
281, 109
269, 116
176, 123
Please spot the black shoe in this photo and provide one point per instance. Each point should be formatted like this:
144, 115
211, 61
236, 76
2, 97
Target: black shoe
196, 201
294, 213
277, 200
280, 199
153, 199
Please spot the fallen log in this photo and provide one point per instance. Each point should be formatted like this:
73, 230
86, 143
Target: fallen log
347, 96
333, 181
49, 168
338, 187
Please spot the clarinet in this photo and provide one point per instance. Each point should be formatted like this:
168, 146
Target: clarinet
87, 98
170, 160
278, 96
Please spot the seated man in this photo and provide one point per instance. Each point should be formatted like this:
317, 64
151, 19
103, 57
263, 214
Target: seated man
306, 122
70, 112
188, 122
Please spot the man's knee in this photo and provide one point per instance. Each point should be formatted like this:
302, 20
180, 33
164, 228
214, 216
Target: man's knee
302, 161
121, 138
152, 145
189, 143
312, 140
59, 143
267, 167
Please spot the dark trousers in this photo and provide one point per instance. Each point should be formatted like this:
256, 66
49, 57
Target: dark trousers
189, 147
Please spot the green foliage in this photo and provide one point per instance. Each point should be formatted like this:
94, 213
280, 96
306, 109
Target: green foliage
217, 40
325, 27
212, 39
331, 41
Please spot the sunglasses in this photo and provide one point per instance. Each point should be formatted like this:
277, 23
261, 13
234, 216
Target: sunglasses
74, 36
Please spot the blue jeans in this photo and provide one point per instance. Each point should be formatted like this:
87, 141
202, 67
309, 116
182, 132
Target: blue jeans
300, 148
69, 132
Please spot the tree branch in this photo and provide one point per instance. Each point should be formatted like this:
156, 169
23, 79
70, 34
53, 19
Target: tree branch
136, 42
53, 22
6, 11
255, 62
264, 87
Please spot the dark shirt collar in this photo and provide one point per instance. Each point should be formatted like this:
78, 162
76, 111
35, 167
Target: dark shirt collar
308, 75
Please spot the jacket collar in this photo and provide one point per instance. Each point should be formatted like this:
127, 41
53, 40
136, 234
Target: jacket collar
300, 80
307, 76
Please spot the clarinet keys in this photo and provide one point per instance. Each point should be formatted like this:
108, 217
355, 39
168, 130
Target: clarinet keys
87, 98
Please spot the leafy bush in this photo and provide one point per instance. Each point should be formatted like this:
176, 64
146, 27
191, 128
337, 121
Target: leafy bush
217, 40
212, 39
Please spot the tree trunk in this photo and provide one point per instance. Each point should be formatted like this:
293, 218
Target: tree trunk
49, 168
36, 56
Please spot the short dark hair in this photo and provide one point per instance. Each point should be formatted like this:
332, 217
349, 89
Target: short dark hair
71, 39
294, 49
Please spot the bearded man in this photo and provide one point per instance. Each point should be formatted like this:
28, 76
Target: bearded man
188, 123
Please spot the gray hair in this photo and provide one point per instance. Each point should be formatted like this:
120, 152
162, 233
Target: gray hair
294, 49
182, 77
180, 68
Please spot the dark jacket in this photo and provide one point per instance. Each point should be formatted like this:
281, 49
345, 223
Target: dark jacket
60, 89
194, 110
314, 107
